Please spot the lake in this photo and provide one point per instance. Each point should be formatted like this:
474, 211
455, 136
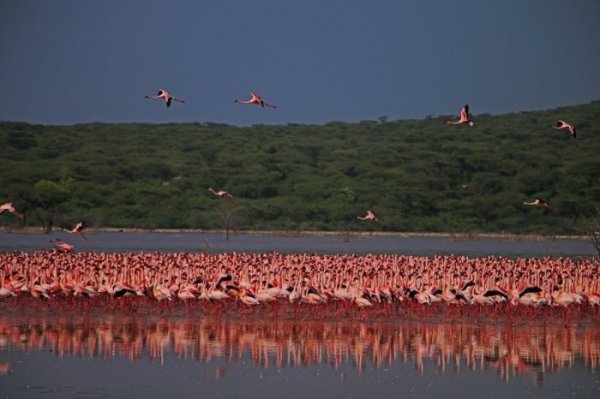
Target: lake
75, 354
327, 243
49, 351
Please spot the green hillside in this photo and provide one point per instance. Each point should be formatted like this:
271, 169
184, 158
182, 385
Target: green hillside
417, 175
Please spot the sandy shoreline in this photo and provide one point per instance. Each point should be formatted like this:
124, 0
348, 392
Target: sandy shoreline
317, 233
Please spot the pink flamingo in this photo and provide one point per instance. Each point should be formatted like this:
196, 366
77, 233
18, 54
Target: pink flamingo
247, 297
5, 292
255, 99
10, 208
62, 246
540, 203
221, 193
369, 216
165, 95
464, 117
564, 125
78, 229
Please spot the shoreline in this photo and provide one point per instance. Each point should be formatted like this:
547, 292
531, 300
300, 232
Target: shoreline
465, 236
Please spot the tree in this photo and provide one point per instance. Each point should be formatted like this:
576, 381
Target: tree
229, 214
590, 227
48, 195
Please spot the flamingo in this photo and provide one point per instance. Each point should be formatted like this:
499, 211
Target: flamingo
498, 292
482, 299
5, 292
62, 246
161, 292
221, 193
464, 117
220, 278
362, 302
562, 298
255, 99
119, 290
217, 295
434, 294
311, 296
295, 295
185, 294
540, 203
39, 290
78, 229
525, 295
247, 297
564, 125
165, 95
10, 208
369, 216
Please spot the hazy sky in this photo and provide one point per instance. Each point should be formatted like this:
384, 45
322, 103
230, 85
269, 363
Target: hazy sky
72, 61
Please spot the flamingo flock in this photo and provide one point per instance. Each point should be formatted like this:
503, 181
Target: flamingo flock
301, 279
257, 279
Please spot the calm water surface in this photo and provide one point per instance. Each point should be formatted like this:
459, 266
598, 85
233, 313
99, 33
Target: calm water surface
216, 242
45, 354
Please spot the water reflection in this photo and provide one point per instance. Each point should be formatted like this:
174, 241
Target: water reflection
508, 349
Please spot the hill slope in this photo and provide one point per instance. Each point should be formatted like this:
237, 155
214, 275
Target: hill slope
417, 175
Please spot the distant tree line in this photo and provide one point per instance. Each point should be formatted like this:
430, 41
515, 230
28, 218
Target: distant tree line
416, 175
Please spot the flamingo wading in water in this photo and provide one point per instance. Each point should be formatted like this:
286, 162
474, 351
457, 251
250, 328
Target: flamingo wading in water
165, 95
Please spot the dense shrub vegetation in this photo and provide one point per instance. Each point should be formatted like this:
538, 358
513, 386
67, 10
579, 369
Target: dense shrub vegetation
417, 175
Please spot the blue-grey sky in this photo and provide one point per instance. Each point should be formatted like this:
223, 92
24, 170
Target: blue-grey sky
71, 61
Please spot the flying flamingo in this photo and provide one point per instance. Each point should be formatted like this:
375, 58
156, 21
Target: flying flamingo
221, 193
464, 117
540, 203
10, 208
369, 216
255, 99
564, 125
165, 95
62, 246
78, 229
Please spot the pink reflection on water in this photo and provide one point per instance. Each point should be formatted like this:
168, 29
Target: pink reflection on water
508, 349
5, 368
